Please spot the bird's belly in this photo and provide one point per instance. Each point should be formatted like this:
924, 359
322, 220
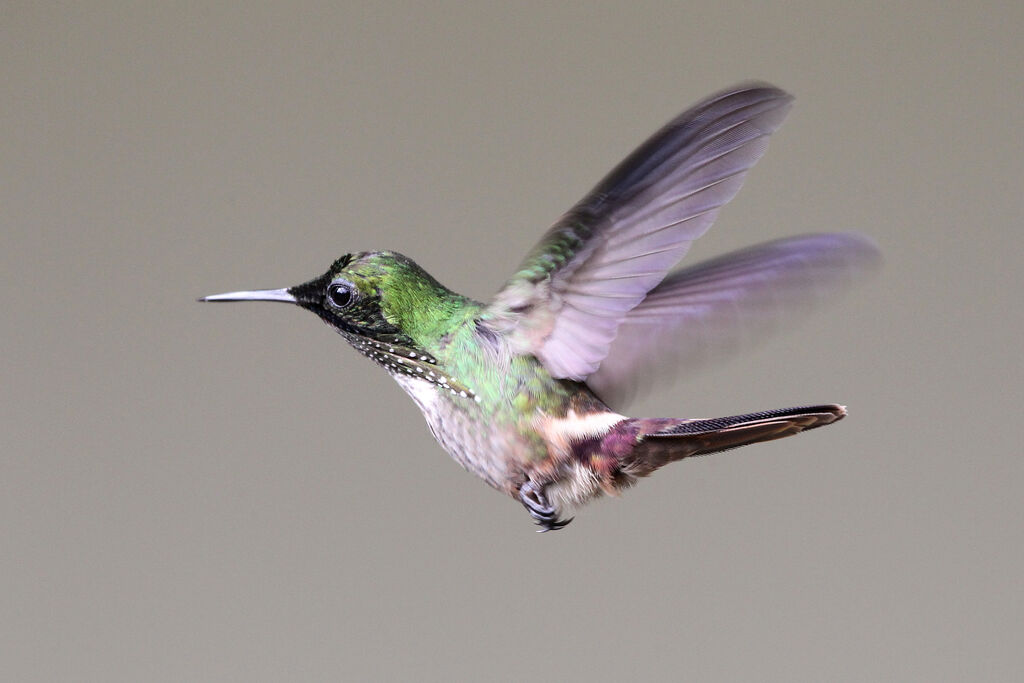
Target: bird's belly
471, 439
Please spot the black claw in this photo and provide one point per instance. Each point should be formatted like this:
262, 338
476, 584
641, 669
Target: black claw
553, 526
536, 503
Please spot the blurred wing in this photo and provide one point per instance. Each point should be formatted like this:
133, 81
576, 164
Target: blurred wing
718, 307
600, 260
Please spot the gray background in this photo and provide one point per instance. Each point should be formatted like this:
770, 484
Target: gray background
204, 493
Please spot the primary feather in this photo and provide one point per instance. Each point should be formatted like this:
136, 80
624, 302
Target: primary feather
722, 306
602, 258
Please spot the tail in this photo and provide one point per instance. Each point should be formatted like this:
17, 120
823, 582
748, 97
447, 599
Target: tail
671, 440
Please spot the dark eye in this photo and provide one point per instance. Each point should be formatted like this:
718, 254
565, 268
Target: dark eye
339, 294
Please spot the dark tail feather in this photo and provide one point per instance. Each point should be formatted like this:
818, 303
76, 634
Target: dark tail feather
688, 438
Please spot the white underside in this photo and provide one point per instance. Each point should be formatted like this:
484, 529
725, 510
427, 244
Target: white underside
468, 441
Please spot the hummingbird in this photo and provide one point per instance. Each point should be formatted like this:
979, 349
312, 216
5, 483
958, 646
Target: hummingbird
520, 391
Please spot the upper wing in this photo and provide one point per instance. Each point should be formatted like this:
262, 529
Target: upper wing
600, 260
717, 307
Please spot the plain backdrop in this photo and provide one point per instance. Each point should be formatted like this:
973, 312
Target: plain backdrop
229, 493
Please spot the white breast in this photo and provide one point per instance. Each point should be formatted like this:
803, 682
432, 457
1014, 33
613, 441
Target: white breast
456, 423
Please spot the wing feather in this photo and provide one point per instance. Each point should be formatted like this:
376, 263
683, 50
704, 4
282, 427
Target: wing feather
717, 307
602, 258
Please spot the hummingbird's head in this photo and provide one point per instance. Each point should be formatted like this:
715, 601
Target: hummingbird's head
382, 302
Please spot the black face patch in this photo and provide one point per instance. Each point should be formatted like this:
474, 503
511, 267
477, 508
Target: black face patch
360, 320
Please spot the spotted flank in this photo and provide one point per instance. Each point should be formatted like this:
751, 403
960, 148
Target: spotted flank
401, 360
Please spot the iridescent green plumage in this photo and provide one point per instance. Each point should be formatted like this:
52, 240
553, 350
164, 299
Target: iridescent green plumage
506, 387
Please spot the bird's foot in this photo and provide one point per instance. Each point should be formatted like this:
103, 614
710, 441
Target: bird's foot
536, 503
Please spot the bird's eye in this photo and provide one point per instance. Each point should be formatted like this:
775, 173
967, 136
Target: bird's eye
340, 294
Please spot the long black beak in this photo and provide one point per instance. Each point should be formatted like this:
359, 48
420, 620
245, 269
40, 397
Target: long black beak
254, 295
